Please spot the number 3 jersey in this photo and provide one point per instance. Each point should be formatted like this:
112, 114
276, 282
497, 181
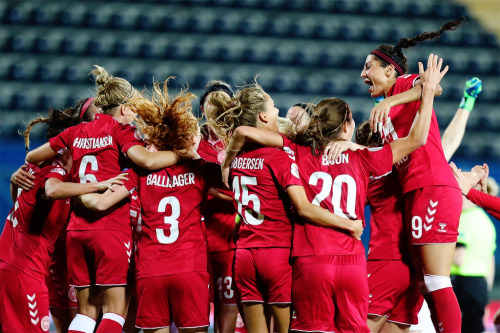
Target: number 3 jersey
173, 239
33, 225
341, 187
260, 178
98, 149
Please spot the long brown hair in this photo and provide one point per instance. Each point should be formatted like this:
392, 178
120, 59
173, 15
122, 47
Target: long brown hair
327, 120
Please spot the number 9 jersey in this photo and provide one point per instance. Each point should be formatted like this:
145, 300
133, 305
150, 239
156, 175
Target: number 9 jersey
341, 187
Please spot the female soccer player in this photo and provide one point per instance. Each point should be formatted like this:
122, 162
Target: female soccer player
432, 196
262, 180
219, 215
30, 233
171, 261
341, 186
99, 244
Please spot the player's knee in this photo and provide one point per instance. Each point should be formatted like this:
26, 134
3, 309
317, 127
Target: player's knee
436, 282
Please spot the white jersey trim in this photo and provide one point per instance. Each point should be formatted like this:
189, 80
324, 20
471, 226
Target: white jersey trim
398, 322
151, 328
385, 174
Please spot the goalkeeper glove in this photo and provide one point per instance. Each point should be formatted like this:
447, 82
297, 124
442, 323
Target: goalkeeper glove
473, 88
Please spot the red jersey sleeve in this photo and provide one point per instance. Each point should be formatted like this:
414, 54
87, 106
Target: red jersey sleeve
127, 137
133, 180
62, 140
57, 171
377, 161
404, 83
285, 169
488, 202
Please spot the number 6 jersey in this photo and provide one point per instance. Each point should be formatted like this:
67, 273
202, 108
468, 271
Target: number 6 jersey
341, 187
98, 149
173, 239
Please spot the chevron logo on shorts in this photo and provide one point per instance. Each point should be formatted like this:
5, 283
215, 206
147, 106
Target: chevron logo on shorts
129, 250
429, 217
32, 305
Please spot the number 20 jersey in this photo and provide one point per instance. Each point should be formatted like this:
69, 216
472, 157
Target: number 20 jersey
98, 149
341, 187
173, 238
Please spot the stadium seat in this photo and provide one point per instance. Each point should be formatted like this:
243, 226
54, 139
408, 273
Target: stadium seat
15, 15
256, 53
204, 51
18, 43
71, 17
371, 7
302, 27
20, 101
280, 55
322, 6
326, 30
334, 86
285, 82
19, 71
45, 44
307, 57
178, 49
42, 16
252, 25
46, 73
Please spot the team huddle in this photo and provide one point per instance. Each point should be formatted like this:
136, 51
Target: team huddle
261, 216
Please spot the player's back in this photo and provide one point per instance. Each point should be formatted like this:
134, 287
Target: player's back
339, 186
260, 176
173, 238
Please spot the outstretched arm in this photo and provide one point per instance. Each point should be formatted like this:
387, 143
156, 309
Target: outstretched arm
418, 134
157, 159
454, 133
320, 216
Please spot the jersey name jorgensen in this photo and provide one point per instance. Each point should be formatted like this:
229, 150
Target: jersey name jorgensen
248, 163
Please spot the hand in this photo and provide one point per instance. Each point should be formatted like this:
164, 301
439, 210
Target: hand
22, 178
380, 113
473, 88
187, 154
108, 184
225, 176
484, 181
335, 148
357, 230
433, 74
463, 182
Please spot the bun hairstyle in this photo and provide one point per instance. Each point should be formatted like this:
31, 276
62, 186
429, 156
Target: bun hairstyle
388, 54
57, 122
325, 124
215, 86
111, 91
169, 125
366, 137
241, 110
218, 94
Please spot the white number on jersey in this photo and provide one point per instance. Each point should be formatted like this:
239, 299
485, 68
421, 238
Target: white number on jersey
336, 192
242, 197
225, 284
416, 227
92, 160
12, 216
170, 220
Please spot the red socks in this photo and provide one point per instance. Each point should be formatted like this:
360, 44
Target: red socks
445, 310
111, 323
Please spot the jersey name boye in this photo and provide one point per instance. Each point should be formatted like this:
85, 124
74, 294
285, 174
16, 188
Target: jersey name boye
339, 187
259, 178
33, 225
99, 152
219, 214
173, 238
427, 165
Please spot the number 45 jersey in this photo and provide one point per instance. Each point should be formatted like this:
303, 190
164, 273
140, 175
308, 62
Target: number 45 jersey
173, 238
341, 187
98, 149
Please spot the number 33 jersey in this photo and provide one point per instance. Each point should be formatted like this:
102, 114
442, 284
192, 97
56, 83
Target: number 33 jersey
98, 149
173, 239
341, 187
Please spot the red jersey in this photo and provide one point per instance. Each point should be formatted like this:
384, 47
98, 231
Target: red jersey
219, 214
259, 180
34, 223
341, 187
173, 238
426, 166
489, 202
98, 149
387, 237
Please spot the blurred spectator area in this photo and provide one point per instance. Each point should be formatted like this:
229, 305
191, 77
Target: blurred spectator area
302, 51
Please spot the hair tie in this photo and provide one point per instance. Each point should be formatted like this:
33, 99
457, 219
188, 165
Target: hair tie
85, 106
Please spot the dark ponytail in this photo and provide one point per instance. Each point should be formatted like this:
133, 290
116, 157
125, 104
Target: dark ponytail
388, 54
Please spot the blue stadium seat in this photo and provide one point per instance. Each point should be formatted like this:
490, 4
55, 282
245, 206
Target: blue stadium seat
331, 58
420, 9
73, 74
96, 47
472, 38
371, 7
309, 85
229, 53
278, 27
178, 50
226, 24
19, 71
204, 52
284, 82
335, 86
94, 18
149, 49
145, 21
377, 34
302, 27
18, 43
129, 74
173, 22
297, 5
45, 44
326, 30
322, 6
358, 88
68, 45
252, 25
307, 57
490, 39
255, 54
396, 8
280, 55
47, 73
247, 3
47, 100
20, 101
346, 6
42, 16
71, 17
351, 31
15, 15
